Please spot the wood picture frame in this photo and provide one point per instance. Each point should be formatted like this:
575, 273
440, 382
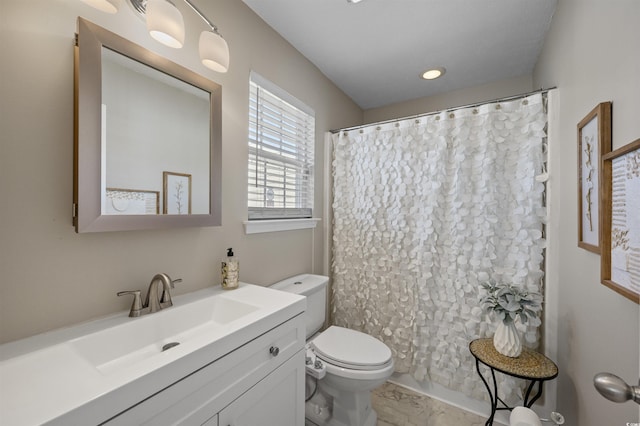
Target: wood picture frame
620, 225
176, 191
594, 140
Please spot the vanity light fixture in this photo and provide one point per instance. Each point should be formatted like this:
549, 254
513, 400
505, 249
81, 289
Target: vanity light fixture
433, 73
166, 25
169, 26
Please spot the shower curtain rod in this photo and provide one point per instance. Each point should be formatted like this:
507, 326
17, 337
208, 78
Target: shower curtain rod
426, 114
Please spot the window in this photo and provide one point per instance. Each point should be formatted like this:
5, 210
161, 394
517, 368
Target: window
281, 145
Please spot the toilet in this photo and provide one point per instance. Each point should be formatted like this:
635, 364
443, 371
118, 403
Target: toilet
343, 365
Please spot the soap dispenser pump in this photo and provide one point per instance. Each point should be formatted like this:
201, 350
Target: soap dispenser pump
230, 271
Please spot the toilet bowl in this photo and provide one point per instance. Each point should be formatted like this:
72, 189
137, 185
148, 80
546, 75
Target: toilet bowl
355, 363
345, 364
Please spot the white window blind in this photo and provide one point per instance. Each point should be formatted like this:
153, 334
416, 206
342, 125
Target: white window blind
281, 149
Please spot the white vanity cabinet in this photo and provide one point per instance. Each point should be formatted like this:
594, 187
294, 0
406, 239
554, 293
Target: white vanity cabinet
259, 383
234, 356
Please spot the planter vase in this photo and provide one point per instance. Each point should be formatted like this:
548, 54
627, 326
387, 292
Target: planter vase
506, 340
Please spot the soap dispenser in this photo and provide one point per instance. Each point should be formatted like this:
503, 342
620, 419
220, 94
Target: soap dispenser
230, 271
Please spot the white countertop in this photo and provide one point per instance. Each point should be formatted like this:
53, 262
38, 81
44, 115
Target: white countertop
46, 379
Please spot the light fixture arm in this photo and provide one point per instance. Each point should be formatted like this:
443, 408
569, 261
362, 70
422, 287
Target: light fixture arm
204, 18
140, 6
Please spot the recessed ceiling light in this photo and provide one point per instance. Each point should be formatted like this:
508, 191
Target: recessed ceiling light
354, 1
433, 73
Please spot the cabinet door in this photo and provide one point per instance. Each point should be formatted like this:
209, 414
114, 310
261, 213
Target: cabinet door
278, 399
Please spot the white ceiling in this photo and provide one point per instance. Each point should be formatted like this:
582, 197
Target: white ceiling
376, 50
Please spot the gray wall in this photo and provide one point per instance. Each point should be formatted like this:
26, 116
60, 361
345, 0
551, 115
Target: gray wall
52, 277
591, 54
469, 95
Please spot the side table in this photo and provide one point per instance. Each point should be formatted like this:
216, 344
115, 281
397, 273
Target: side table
530, 365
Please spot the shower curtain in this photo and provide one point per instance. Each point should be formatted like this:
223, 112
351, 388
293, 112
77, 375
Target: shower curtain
426, 209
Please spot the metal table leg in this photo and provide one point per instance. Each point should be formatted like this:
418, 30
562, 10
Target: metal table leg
528, 403
492, 396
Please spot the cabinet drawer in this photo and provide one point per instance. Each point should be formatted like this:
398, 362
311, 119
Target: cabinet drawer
199, 396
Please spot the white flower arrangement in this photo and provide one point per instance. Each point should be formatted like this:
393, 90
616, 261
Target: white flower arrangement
509, 302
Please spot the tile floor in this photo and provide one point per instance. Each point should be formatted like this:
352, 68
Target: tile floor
399, 406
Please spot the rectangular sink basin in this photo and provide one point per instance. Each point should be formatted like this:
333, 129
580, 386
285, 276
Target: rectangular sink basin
125, 345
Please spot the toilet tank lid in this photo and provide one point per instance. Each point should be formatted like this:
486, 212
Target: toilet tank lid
303, 284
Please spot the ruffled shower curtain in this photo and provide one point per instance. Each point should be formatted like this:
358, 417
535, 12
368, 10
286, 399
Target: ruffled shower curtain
425, 210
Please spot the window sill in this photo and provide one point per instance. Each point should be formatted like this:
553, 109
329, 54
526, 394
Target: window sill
260, 226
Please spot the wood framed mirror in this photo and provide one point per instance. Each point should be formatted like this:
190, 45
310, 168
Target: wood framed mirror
138, 117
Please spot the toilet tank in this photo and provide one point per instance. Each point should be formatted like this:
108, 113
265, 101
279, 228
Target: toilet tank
315, 288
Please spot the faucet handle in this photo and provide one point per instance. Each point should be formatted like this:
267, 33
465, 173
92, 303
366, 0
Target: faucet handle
173, 282
136, 306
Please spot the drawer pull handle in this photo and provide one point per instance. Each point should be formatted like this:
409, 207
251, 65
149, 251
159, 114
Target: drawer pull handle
274, 350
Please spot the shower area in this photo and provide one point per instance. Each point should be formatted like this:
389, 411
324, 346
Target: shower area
425, 209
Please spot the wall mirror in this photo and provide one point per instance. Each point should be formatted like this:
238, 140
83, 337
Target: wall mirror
147, 138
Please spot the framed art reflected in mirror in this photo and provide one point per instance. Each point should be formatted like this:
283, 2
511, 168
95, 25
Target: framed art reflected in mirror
131, 201
176, 193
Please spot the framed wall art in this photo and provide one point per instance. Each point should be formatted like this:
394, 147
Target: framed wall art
620, 258
176, 193
131, 201
594, 140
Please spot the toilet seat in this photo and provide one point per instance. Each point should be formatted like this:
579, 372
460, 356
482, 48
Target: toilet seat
351, 349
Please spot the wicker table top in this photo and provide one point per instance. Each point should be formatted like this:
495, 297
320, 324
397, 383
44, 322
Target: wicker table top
529, 365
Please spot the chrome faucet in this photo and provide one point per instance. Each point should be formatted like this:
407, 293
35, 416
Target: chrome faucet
153, 302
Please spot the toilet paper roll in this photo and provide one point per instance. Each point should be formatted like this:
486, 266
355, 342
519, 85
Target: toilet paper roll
523, 416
